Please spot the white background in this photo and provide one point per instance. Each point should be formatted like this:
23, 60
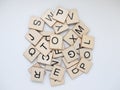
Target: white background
101, 16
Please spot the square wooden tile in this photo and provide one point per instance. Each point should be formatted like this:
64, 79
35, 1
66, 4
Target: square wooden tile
72, 17
43, 47
48, 18
46, 35
69, 64
87, 41
34, 65
56, 82
77, 45
57, 73
60, 27
53, 62
74, 72
84, 65
45, 59
70, 54
70, 37
86, 53
36, 23
60, 14
57, 53
31, 53
80, 29
56, 41
37, 74
33, 36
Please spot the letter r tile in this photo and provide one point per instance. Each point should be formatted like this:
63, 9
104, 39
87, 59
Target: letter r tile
37, 74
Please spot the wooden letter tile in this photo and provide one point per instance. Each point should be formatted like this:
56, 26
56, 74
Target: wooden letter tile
86, 53
54, 62
70, 37
57, 73
36, 23
33, 36
70, 54
57, 53
37, 74
46, 34
56, 41
56, 82
45, 59
60, 27
74, 71
60, 15
43, 47
80, 29
48, 18
77, 45
34, 65
72, 17
84, 65
69, 64
87, 41
31, 53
